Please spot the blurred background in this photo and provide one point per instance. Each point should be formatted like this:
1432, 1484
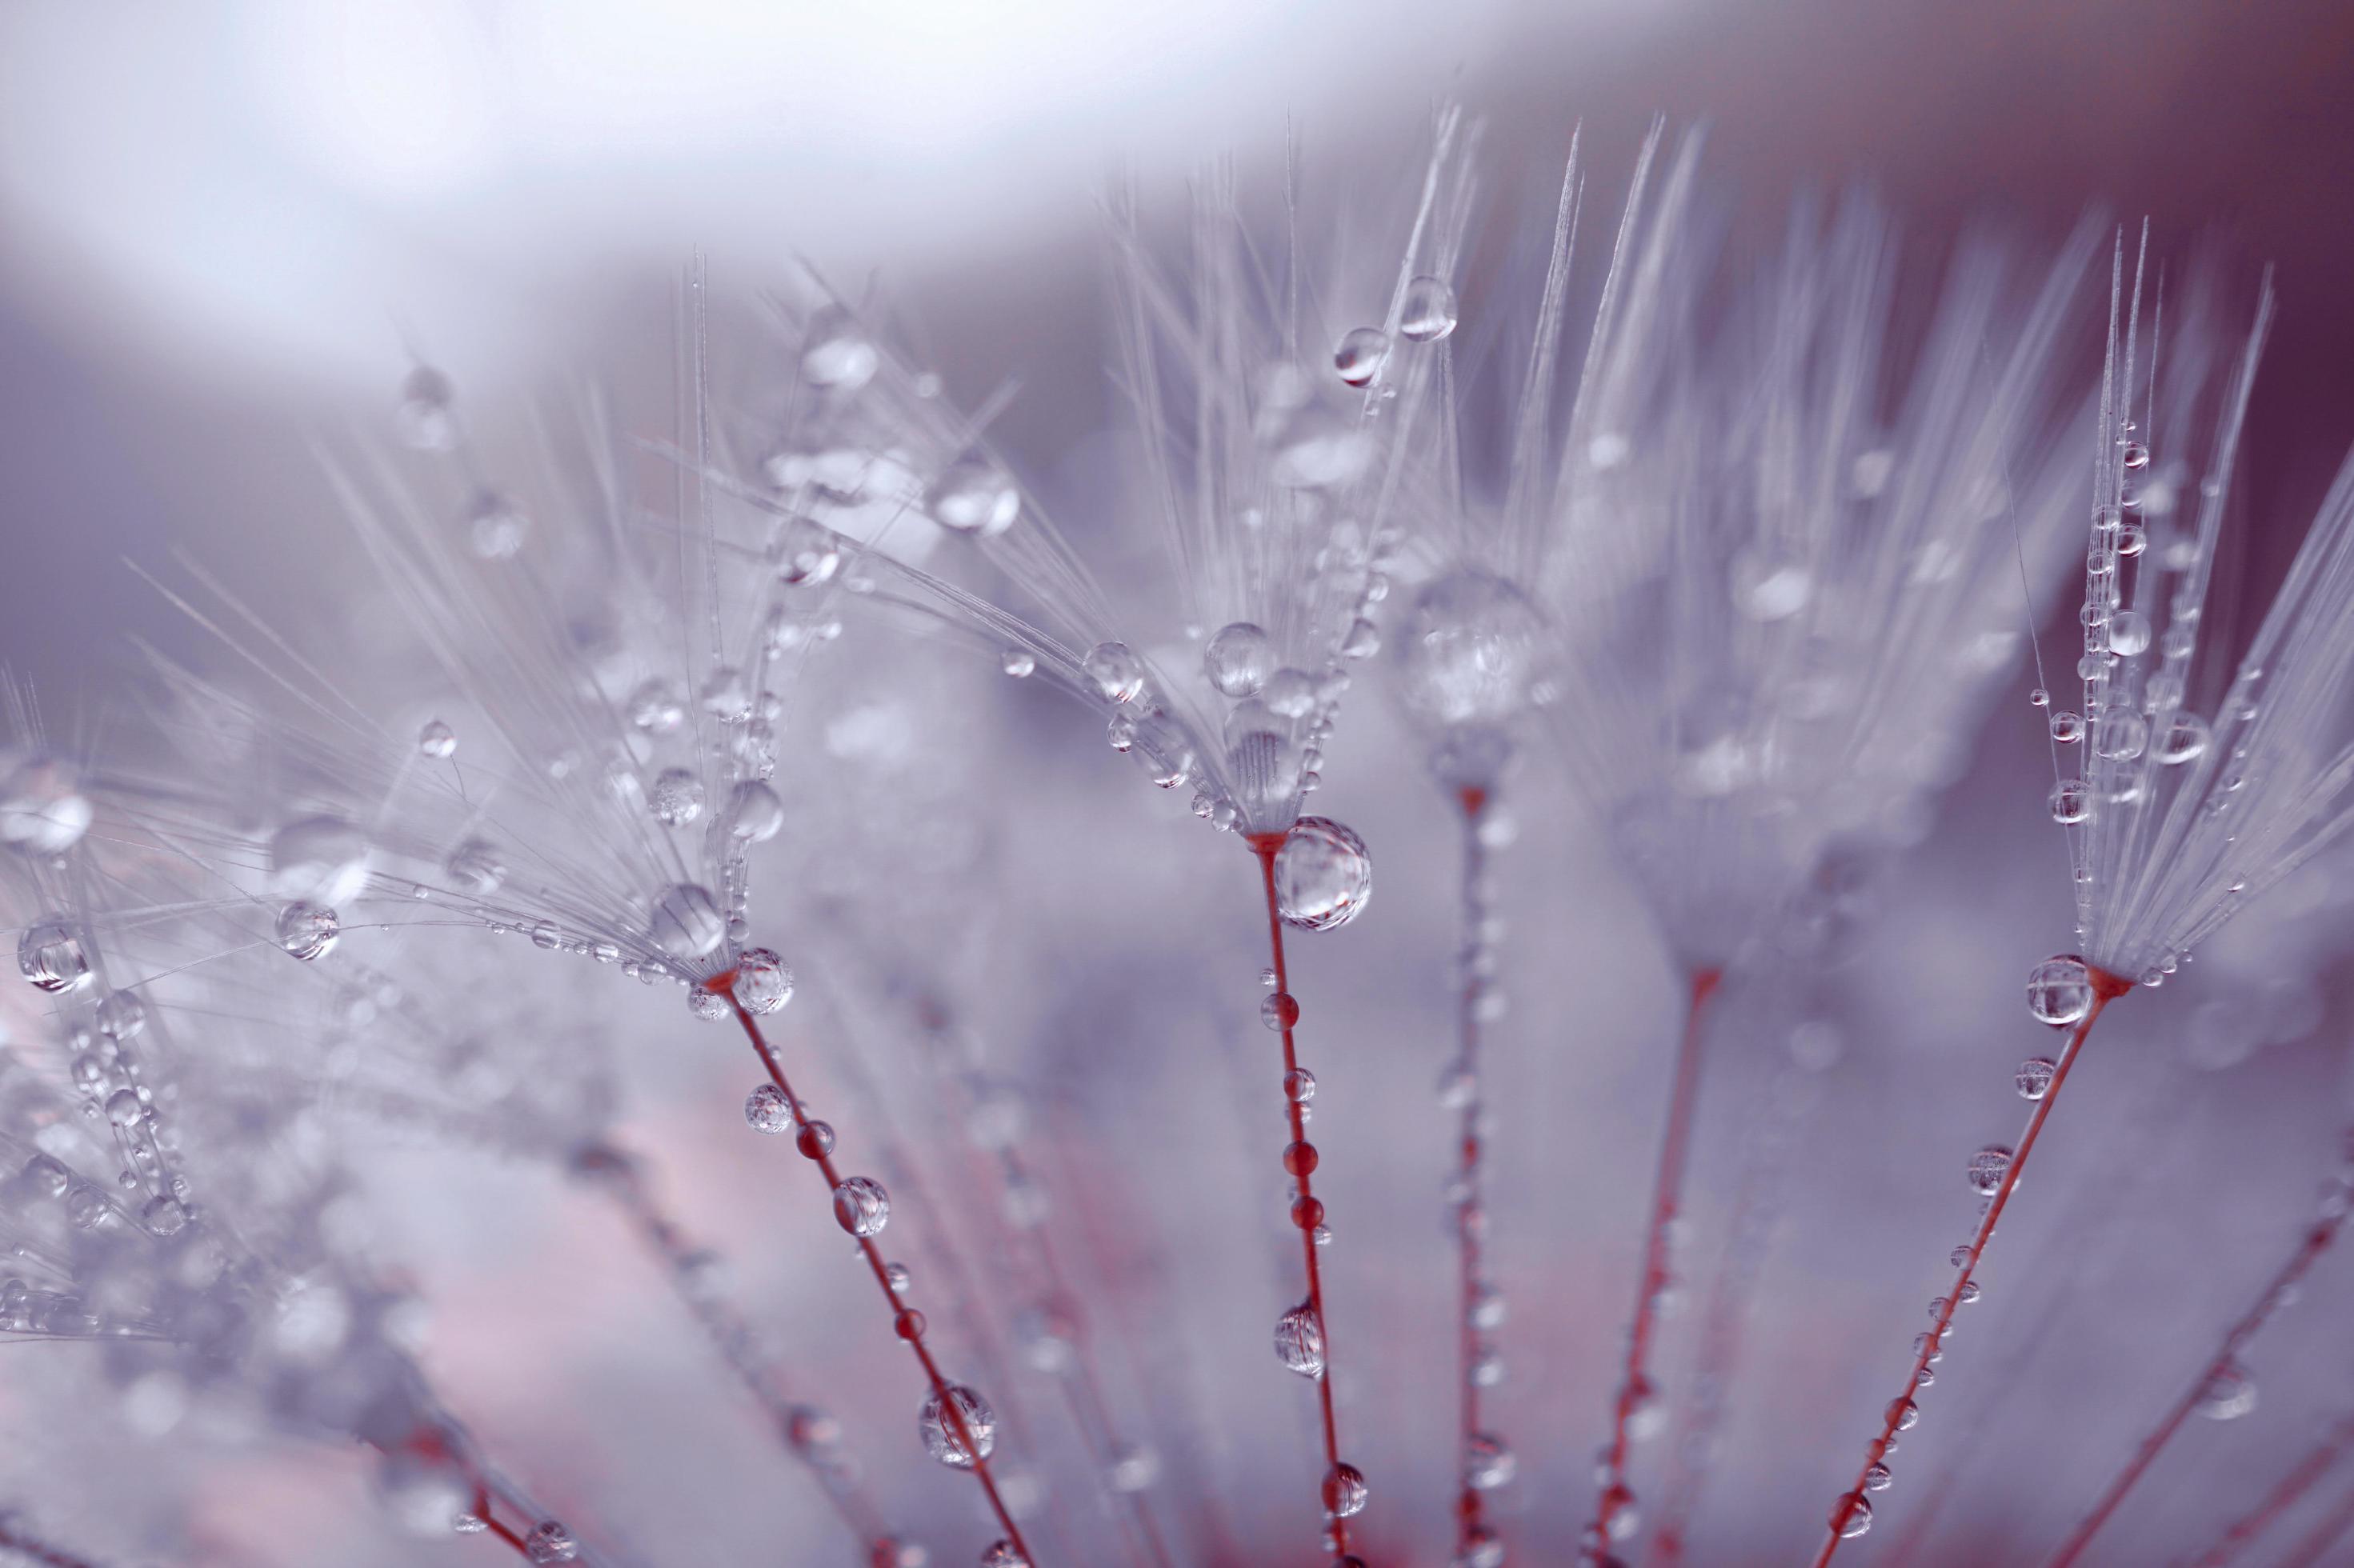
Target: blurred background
225, 231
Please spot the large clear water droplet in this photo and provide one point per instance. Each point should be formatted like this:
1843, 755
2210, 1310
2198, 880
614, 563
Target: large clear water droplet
676, 797
2228, 1393
1324, 876
549, 1542
1363, 351
42, 808
51, 954
1470, 651
764, 981
1299, 1341
959, 1450
1988, 1167
308, 930
1430, 312
1116, 671
973, 495
1239, 659
1345, 1492
2059, 990
685, 921
860, 1206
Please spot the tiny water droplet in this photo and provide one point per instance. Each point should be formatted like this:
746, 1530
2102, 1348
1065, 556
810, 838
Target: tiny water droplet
959, 1450
862, 1207
437, 741
1299, 1341
1430, 311
768, 1110
1363, 351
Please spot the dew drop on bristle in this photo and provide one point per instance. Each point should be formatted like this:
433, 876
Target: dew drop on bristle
676, 797
42, 809
51, 956
1430, 312
974, 496
1850, 1515
496, 527
2034, 1077
1279, 1012
1324, 876
476, 867
437, 742
2067, 728
1003, 1554
1363, 351
2183, 740
685, 921
860, 1206
1299, 1085
756, 813
1299, 1341
958, 1450
1116, 671
308, 930
2071, 800
1018, 662
1238, 659
658, 707
2059, 990
1469, 652
2128, 632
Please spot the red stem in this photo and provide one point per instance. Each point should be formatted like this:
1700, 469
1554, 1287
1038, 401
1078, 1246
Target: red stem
2325, 1535
2106, 987
1471, 1506
1266, 846
724, 985
1667, 1196
2310, 1246
2282, 1498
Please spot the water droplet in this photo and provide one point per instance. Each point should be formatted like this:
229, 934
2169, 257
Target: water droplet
815, 1140
764, 982
1279, 1011
1878, 1479
755, 812
164, 1217
497, 528
806, 553
1850, 1516
476, 867
1118, 672
685, 921
2039, 698
43, 811
2059, 990
121, 1016
959, 1450
1346, 1492
2120, 735
1769, 584
1018, 662
2228, 1393
308, 930
124, 1107
896, 1277
706, 1004
424, 416
676, 797
658, 706
2128, 632
1134, 1470
1322, 874
726, 695
860, 1206
1299, 1085
973, 495
837, 353
1362, 353
768, 1110
322, 860
1988, 1167
1239, 659
1299, 1341
1003, 1554
1469, 652
1361, 641
1290, 693
437, 741
52, 957
2034, 1077
2067, 728
2071, 800
1488, 1462
2183, 740
1968, 1294
1429, 312
550, 1542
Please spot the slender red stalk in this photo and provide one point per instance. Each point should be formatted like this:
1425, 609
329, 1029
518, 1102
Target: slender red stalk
1307, 1213
2323, 1536
1667, 1198
2311, 1244
1470, 1214
2282, 1498
908, 1323
2106, 987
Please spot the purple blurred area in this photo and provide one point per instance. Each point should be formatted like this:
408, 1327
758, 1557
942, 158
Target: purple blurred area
223, 233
